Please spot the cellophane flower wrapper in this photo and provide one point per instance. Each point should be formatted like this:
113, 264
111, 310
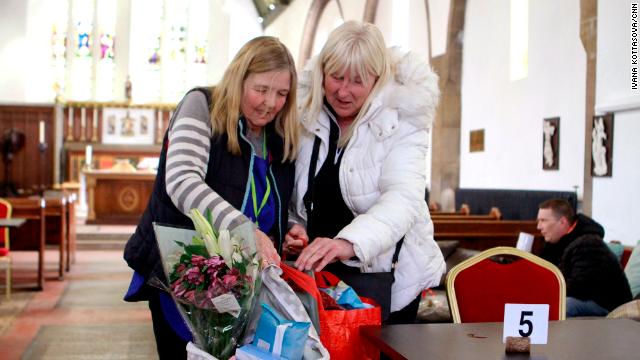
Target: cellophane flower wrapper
206, 266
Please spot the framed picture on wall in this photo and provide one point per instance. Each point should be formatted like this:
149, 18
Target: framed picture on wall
602, 145
551, 143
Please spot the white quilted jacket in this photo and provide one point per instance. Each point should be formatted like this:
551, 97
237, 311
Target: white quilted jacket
383, 178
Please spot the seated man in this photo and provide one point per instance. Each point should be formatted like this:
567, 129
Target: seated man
596, 283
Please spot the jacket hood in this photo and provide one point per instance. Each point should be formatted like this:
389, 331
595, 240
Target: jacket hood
587, 225
412, 90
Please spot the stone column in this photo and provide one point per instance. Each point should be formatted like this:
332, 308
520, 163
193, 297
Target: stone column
588, 36
445, 163
309, 31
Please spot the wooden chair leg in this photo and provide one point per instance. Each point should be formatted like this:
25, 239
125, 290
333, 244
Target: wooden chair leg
8, 282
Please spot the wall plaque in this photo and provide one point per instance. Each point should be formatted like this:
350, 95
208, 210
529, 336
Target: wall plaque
476, 140
551, 143
602, 145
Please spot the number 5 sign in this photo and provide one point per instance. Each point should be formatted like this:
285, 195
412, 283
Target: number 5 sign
526, 320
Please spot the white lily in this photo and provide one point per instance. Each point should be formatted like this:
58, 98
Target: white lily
226, 247
206, 232
211, 244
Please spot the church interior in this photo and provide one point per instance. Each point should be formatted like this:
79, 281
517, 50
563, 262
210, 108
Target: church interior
538, 99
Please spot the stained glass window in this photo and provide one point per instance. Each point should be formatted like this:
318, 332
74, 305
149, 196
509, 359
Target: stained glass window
59, 46
105, 59
197, 43
81, 63
174, 50
167, 49
146, 60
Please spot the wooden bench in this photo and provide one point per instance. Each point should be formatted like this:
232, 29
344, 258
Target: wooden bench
56, 229
71, 229
494, 214
61, 225
464, 210
485, 234
30, 236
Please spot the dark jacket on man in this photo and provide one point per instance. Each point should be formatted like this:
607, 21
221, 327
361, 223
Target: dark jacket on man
591, 271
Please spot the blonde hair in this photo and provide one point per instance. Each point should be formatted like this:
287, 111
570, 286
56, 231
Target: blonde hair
261, 54
359, 48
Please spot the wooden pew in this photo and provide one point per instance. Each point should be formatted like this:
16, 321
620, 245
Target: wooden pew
61, 225
494, 214
56, 228
31, 235
71, 229
464, 210
485, 234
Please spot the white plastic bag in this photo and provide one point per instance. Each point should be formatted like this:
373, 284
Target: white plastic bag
193, 353
279, 295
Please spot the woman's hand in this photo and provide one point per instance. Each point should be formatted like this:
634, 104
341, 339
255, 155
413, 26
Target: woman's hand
295, 240
323, 251
266, 251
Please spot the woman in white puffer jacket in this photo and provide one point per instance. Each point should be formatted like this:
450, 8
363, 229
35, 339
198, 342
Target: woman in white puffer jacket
371, 109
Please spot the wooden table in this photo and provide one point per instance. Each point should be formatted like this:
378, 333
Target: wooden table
117, 197
13, 222
570, 339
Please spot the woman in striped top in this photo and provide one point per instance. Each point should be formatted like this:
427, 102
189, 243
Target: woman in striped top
231, 150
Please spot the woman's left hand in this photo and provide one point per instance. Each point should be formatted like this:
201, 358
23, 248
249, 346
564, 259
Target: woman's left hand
323, 251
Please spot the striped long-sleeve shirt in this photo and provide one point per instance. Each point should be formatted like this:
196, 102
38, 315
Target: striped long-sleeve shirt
186, 165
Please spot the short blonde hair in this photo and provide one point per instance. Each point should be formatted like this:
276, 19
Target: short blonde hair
261, 54
358, 47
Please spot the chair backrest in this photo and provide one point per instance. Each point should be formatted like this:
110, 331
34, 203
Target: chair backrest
479, 287
5, 213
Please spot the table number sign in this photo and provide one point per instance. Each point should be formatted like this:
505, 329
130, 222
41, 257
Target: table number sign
526, 320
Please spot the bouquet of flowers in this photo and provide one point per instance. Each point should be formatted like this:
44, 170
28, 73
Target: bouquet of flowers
213, 277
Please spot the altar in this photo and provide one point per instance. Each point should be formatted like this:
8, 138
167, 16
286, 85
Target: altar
116, 196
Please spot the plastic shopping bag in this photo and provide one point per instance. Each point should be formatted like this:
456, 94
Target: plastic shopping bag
340, 329
279, 336
280, 296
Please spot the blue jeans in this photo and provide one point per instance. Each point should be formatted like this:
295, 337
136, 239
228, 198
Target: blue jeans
577, 307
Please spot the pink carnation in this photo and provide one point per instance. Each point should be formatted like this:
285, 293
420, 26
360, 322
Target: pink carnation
197, 260
180, 268
194, 276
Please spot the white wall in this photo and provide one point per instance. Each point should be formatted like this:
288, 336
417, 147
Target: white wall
616, 199
289, 26
439, 16
512, 113
614, 90
13, 17
404, 23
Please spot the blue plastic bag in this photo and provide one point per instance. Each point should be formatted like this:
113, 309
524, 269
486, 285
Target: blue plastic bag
279, 336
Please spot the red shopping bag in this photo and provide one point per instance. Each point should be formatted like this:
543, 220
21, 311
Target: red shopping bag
339, 329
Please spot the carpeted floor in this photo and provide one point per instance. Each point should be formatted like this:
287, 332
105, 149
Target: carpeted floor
9, 309
96, 342
81, 317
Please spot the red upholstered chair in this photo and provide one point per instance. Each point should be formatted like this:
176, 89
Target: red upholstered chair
5, 258
479, 287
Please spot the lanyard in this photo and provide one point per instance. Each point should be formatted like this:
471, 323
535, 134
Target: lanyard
256, 209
